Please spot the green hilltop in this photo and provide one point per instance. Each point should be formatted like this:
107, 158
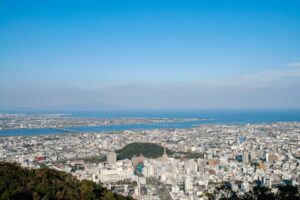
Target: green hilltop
148, 150
47, 184
152, 150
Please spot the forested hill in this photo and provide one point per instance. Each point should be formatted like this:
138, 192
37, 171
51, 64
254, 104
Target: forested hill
149, 150
152, 150
19, 183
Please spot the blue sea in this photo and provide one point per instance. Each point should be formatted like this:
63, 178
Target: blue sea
208, 116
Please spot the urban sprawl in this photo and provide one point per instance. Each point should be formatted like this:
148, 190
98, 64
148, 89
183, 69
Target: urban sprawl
240, 155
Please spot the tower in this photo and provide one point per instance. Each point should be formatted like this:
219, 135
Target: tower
165, 155
245, 157
111, 158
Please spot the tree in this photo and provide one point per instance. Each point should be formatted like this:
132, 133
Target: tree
18, 183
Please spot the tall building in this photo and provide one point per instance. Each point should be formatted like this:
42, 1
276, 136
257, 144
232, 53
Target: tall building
111, 158
253, 155
135, 161
190, 166
181, 146
245, 157
165, 155
188, 183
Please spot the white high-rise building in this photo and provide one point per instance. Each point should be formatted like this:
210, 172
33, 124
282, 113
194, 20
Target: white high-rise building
111, 158
245, 157
188, 183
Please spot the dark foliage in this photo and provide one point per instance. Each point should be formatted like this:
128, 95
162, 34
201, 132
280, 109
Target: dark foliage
29, 184
149, 150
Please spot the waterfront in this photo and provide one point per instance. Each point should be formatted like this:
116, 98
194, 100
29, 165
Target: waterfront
206, 116
179, 164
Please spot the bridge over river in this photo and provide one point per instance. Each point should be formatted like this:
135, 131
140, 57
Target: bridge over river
66, 130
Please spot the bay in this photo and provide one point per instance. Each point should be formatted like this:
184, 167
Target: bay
208, 116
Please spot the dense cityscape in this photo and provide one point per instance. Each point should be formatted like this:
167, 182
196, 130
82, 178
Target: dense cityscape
190, 164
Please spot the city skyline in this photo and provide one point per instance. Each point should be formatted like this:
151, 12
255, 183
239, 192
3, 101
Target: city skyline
149, 55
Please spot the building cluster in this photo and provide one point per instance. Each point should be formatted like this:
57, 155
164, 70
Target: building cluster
242, 156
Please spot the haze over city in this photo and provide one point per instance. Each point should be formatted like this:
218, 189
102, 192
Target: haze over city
149, 54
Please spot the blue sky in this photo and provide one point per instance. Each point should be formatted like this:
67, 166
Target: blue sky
149, 54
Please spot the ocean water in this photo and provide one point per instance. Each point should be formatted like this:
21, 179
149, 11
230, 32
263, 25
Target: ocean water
208, 116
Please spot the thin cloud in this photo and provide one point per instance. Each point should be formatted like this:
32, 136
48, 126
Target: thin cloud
294, 64
276, 74
254, 79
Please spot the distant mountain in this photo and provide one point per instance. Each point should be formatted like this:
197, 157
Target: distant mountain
17, 183
148, 150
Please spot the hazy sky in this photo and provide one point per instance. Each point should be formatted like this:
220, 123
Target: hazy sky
149, 54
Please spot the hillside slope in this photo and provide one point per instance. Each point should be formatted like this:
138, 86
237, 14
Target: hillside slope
20, 183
